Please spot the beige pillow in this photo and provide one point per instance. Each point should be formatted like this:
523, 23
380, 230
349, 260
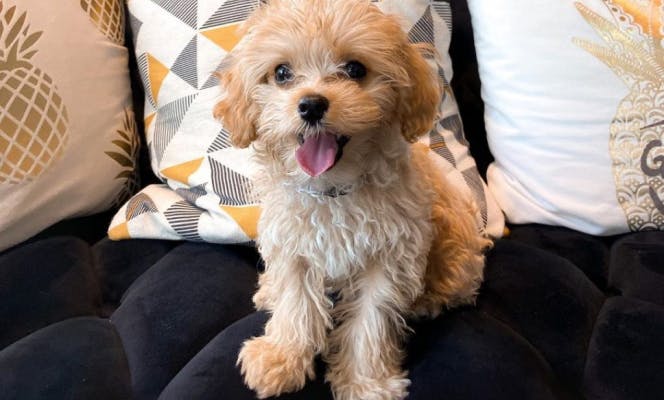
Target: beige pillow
67, 131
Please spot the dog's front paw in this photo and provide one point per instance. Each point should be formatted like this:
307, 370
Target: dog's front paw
363, 388
270, 369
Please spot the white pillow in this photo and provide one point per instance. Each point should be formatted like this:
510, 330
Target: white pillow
207, 191
573, 91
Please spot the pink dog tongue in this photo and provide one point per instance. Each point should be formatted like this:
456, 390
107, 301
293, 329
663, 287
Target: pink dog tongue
317, 154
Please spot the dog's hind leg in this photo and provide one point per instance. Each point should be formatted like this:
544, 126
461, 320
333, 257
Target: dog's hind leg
456, 260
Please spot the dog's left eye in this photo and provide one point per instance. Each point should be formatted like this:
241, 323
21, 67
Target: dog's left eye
355, 70
282, 74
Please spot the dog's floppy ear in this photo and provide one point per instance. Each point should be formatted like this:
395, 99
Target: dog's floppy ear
419, 100
237, 109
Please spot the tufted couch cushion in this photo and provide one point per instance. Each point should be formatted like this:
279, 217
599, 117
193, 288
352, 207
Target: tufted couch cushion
560, 315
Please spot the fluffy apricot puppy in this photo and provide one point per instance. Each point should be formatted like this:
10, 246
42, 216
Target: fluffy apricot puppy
331, 95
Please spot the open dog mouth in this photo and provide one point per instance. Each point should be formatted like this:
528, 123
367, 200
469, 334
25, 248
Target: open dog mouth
319, 153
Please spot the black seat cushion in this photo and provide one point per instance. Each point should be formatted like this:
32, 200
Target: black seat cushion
560, 315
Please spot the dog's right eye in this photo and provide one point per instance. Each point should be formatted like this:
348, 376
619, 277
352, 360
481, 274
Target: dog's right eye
282, 74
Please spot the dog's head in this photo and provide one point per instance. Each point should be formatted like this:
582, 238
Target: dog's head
315, 83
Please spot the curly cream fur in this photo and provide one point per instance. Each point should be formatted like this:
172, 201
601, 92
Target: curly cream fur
401, 243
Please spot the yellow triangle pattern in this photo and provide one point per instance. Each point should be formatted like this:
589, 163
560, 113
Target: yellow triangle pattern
182, 172
225, 37
246, 217
119, 232
149, 119
156, 74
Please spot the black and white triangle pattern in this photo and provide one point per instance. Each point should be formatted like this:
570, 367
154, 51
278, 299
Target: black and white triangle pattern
422, 31
169, 118
192, 194
230, 12
443, 78
438, 145
185, 64
142, 62
185, 11
139, 204
213, 81
183, 218
444, 10
232, 188
474, 182
222, 141
454, 124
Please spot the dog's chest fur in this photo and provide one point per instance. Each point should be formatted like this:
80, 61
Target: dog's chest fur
344, 235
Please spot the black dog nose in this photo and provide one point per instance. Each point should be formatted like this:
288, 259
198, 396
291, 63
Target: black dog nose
312, 108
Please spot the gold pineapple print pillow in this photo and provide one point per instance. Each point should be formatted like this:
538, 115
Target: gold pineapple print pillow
574, 96
635, 52
67, 133
34, 117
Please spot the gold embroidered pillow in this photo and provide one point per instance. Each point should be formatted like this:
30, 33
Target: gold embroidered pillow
67, 131
575, 110
206, 195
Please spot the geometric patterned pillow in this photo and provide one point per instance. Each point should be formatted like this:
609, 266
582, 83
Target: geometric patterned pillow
67, 132
206, 191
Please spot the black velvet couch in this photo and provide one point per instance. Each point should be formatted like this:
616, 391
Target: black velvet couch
561, 315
